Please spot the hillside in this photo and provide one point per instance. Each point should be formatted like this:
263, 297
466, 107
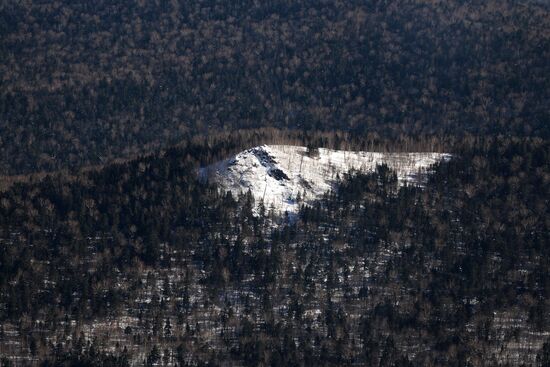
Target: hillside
141, 263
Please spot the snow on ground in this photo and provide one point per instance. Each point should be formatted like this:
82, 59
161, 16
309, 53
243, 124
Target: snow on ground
285, 176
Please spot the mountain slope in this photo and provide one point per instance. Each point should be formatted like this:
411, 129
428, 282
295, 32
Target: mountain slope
147, 261
283, 177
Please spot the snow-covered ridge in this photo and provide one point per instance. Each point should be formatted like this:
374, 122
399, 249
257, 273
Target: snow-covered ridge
285, 176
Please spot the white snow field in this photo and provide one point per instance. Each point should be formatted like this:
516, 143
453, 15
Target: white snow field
284, 177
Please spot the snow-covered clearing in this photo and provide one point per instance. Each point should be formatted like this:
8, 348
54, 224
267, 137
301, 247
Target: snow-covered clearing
283, 176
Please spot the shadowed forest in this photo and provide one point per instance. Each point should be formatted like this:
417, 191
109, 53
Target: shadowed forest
144, 255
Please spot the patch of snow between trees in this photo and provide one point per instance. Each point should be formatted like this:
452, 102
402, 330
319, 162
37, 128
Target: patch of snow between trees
284, 177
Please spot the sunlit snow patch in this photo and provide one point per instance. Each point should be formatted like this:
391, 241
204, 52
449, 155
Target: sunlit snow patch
283, 176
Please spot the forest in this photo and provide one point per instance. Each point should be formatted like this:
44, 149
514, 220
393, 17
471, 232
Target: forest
85, 83
116, 252
142, 263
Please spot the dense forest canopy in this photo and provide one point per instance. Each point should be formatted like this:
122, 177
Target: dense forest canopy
85, 82
455, 273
